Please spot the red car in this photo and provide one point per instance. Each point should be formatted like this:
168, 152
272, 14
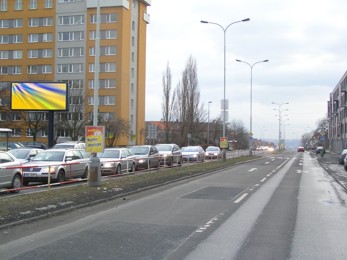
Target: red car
301, 149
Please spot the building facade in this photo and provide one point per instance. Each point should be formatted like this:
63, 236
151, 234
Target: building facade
337, 116
54, 40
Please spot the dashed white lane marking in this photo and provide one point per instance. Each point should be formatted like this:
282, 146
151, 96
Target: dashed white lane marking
268, 175
241, 198
253, 169
256, 185
267, 162
209, 223
264, 179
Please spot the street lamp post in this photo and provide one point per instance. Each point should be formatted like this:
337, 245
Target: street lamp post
208, 122
224, 34
279, 119
251, 101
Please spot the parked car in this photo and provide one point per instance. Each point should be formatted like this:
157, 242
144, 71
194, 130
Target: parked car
62, 163
169, 154
213, 152
35, 144
25, 154
342, 156
146, 156
116, 160
70, 145
193, 153
301, 149
10, 177
5, 146
319, 149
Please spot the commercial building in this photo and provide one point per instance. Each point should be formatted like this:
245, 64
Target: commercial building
54, 40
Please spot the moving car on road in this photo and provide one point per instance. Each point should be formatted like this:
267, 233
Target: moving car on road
61, 163
301, 149
146, 156
116, 160
10, 175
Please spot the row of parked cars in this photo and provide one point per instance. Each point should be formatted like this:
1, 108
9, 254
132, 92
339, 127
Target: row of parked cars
23, 165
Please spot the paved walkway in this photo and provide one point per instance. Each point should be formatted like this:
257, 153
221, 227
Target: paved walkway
330, 162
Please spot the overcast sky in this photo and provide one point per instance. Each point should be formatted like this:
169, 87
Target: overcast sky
305, 42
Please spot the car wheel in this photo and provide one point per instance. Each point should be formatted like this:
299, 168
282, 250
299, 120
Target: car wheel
132, 169
180, 160
345, 167
61, 176
170, 162
16, 183
85, 174
119, 169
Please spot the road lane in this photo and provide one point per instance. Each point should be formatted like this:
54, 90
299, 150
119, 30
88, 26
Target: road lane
171, 221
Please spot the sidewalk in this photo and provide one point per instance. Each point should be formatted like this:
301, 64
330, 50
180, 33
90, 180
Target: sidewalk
330, 162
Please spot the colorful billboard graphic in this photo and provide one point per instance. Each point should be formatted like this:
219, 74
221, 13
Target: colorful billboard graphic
39, 96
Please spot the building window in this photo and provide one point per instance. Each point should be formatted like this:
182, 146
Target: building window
3, 70
18, 5
16, 117
33, 37
71, 52
3, 5
108, 50
71, 20
17, 38
17, 69
16, 132
47, 37
34, 22
17, 23
4, 39
46, 53
33, 4
76, 84
33, 69
48, 4
46, 69
107, 100
29, 133
3, 55
47, 21
107, 67
70, 36
4, 23
17, 54
33, 54
70, 68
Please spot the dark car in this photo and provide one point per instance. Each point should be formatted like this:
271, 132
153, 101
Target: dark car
146, 156
35, 144
5, 146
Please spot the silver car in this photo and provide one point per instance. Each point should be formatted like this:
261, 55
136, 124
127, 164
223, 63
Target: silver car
116, 160
213, 152
193, 153
10, 175
169, 154
62, 164
25, 154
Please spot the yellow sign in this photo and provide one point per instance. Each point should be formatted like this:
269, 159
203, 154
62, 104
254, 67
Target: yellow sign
95, 139
223, 142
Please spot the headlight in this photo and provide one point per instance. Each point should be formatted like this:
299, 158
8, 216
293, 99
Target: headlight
108, 165
165, 155
195, 155
52, 169
142, 161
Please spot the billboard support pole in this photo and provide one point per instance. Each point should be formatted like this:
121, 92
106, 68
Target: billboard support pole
50, 128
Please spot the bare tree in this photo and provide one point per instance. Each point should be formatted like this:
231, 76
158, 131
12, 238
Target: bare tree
239, 133
115, 128
168, 103
34, 122
188, 110
74, 120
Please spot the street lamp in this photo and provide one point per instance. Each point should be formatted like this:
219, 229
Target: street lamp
251, 100
224, 31
279, 119
208, 122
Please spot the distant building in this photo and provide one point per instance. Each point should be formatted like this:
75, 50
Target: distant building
337, 116
54, 40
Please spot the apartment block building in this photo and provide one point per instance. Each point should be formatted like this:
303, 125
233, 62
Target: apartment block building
337, 116
54, 41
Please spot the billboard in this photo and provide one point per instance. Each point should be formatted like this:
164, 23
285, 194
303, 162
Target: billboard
39, 96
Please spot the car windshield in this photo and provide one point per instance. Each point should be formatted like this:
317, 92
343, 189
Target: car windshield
139, 150
190, 149
48, 156
64, 146
19, 154
163, 147
214, 149
109, 154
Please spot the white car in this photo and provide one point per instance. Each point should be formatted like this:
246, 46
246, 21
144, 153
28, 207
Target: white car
116, 160
61, 163
169, 154
10, 175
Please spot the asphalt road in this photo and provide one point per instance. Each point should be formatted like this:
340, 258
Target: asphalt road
280, 207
